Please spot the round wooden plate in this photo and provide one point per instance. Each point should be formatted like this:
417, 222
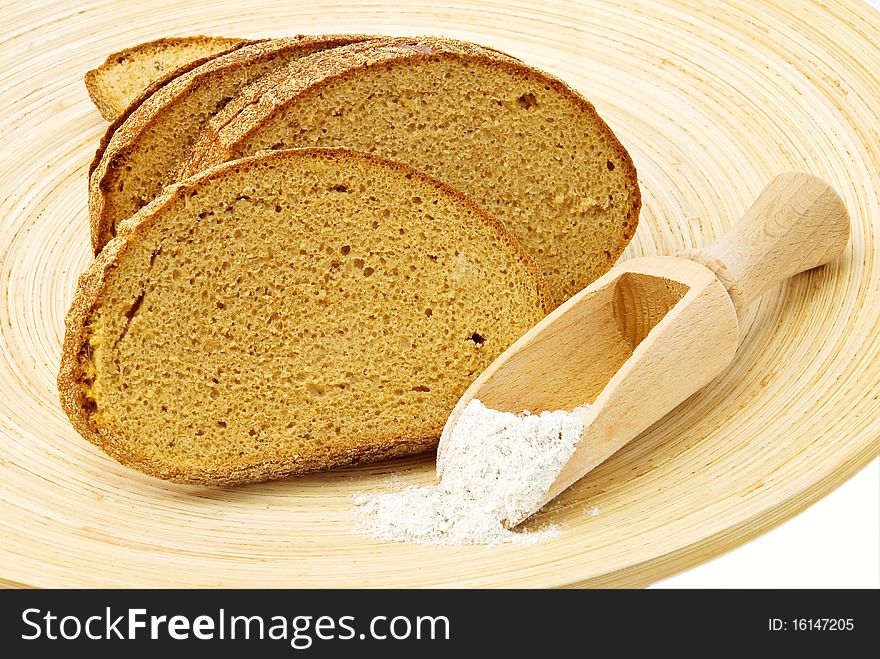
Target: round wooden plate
712, 99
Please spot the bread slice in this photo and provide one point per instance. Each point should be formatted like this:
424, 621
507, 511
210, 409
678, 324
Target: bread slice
519, 142
287, 312
146, 147
124, 75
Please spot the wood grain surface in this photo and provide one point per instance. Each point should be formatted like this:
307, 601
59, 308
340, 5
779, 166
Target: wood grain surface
711, 98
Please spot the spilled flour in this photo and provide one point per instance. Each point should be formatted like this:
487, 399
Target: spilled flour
497, 465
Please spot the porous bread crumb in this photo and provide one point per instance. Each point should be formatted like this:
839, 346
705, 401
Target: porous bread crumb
290, 312
497, 466
517, 141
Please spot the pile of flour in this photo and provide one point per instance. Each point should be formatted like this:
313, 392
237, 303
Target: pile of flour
496, 466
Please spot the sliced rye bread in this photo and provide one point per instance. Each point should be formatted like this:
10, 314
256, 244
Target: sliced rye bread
125, 74
519, 142
144, 150
292, 311
148, 91
154, 86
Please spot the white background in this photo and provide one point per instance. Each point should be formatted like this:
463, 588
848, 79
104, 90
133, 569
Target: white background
834, 543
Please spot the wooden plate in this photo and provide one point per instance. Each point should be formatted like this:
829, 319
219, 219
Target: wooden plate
712, 99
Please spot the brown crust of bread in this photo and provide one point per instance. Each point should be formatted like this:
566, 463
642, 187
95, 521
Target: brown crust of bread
89, 294
92, 77
120, 118
126, 136
244, 114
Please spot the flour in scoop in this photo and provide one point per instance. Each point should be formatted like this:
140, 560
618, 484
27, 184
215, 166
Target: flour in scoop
497, 466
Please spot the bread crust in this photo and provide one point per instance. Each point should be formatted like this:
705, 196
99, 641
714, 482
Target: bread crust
92, 77
126, 137
89, 295
222, 136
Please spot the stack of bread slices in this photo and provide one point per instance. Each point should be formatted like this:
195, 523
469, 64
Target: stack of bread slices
308, 247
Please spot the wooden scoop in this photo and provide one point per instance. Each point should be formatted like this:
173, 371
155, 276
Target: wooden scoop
654, 330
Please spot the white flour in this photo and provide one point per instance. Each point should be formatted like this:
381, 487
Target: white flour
497, 466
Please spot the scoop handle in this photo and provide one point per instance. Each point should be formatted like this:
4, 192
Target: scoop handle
798, 222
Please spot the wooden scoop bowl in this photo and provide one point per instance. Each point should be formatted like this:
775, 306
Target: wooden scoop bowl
654, 330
